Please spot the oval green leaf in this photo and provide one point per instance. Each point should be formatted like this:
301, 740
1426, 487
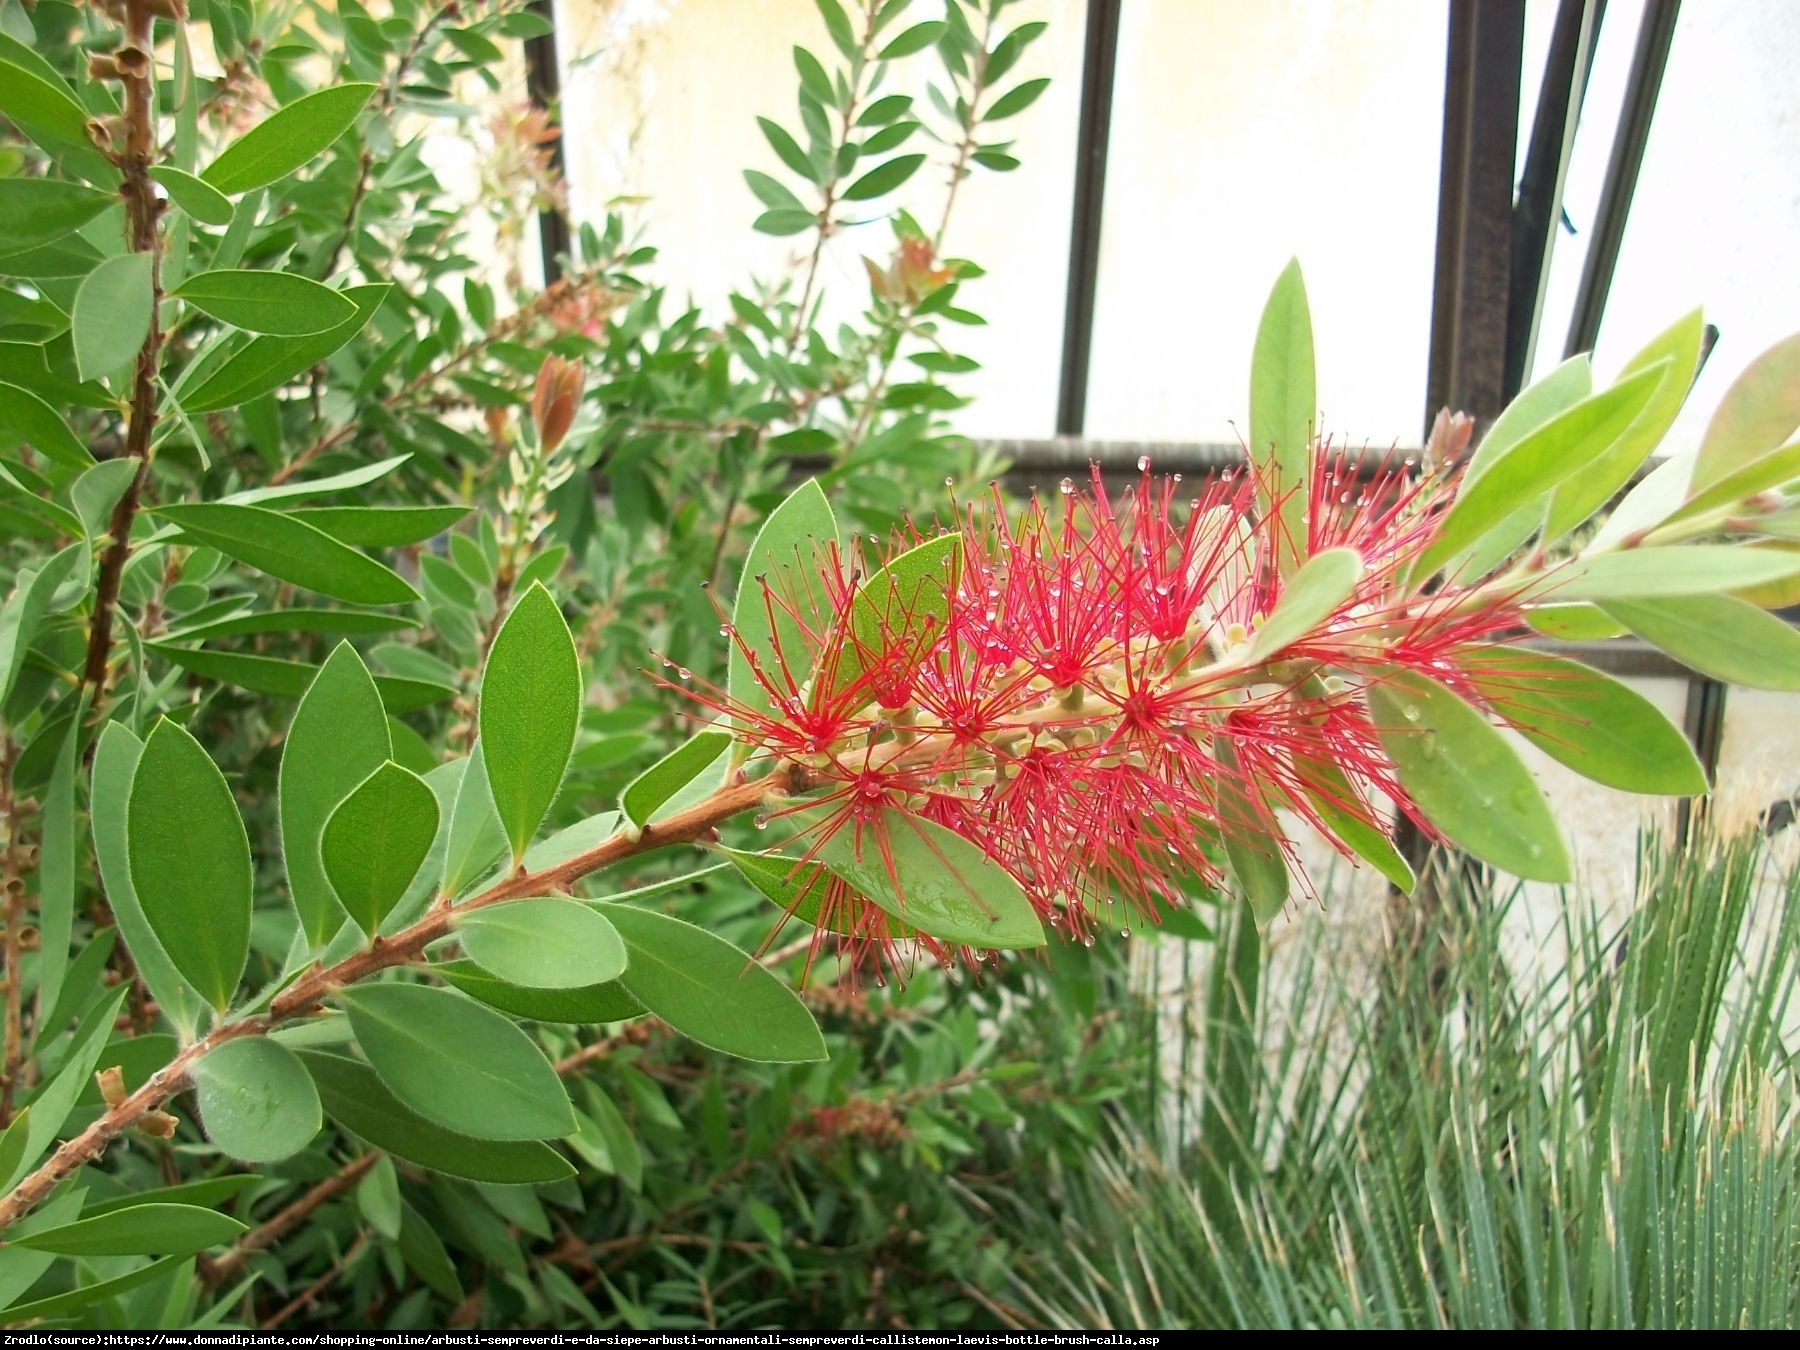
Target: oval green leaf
43, 210
933, 879
199, 198
780, 588
596, 1003
268, 362
1252, 842
458, 1063
1351, 821
267, 302
354, 1096
375, 840
1758, 413
1721, 636
656, 785
1600, 728
288, 548
1284, 401
111, 316
883, 178
382, 526
257, 1102
530, 705
712, 992
894, 618
1685, 569
543, 944
190, 862
339, 736
295, 135
1310, 597
26, 417
1469, 782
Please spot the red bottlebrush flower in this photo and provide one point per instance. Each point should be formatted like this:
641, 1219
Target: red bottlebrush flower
1080, 696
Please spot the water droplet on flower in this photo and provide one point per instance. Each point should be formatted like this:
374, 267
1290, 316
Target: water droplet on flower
1143, 464
1124, 932
685, 673
761, 822
1066, 487
949, 482
1087, 940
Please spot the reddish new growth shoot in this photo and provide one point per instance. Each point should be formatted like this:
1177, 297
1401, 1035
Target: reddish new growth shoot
1079, 691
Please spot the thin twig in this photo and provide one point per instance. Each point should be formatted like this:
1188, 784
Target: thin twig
306, 1297
287, 1219
13, 887
308, 994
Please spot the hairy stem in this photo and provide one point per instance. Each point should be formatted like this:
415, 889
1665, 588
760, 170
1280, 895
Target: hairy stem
12, 887
407, 947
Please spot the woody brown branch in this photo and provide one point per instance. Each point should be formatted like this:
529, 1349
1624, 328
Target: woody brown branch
136, 67
309, 993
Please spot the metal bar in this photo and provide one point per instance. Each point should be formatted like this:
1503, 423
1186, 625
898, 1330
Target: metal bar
1099, 62
1538, 207
1705, 727
1656, 34
543, 86
1474, 242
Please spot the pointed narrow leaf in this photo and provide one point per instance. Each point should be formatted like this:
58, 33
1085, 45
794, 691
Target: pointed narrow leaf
883, 178
257, 1102
647, 793
382, 526
1310, 597
530, 704
267, 302
339, 736
26, 417
268, 362
1539, 462
1348, 819
933, 879
475, 842
111, 317
199, 198
1600, 728
1284, 402
1469, 782
293, 136
290, 549
543, 944
1252, 844
1719, 635
190, 862
800, 889
44, 210
894, 618
164, 1229
458, 1063
354, 1096
61, 1305
1686, 569
712, 992
779, 589
375, 840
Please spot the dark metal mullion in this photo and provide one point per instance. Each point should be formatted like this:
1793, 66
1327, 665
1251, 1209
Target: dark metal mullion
543, 86
1656, 34
1098, 64
1538, 207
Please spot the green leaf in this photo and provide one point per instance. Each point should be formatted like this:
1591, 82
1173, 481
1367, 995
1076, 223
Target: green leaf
1687, 569
933, 879
60, 1305
296, 620
40, 100
646, 794
115, 764
1573, 623
1758, 413
190, 861
774, 194
458, 1063
786, 149
347, 481
199, 198
1284, 401
375, 841
382, 526
785, 557
267, 302
543, 944
111, 317
1310, 597
354, 1097
178, 1230
894, 618
1540, 461
914, 39
56, 873
211, 1192
1252, 840
25, 609
799, 888
290, 679
288, 548
883, 178
1721, 636
26, 417
712, 992
44, 210
51, 1106
475, 841
1676, 352
256, 1100
1015, 100
1550, 397
339, 736
295, 135
1766, 473
1600, 728
530, 705
782, 221
98, 490
1460, 771
1349, 819
596, 1003
267, 363
423, 1251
